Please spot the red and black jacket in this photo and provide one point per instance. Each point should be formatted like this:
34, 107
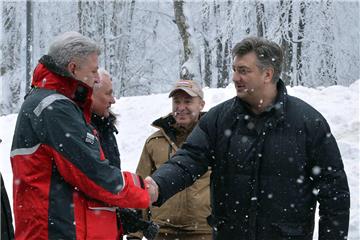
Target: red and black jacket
64, 188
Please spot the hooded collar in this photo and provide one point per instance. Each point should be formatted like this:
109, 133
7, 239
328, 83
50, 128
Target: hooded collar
165, 124
169, 127
49, 76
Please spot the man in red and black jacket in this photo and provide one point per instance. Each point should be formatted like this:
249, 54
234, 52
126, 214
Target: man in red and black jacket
64, 187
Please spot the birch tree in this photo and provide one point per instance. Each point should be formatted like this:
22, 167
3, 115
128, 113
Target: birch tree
190, 66
205, 13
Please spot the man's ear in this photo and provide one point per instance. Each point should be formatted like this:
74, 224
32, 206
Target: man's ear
202, 104
71, 68
269, 73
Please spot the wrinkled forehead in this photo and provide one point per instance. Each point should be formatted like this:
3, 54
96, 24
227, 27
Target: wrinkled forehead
104, 83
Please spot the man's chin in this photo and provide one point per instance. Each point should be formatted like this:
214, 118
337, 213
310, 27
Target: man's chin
241, 94
182, 121
106, 114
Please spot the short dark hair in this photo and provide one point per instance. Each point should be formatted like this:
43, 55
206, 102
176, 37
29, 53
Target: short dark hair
268, 53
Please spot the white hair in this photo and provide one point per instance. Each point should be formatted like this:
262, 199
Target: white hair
102, 73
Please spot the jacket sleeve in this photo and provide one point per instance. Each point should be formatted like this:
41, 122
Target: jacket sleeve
189, 163
78, 158
144, 169
331, 183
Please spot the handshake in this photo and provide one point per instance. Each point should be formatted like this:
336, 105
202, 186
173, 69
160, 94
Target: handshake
152, 189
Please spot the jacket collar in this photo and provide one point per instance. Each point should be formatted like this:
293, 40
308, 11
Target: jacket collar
102, 123
278, 108
49, 76
280, 102
167, 125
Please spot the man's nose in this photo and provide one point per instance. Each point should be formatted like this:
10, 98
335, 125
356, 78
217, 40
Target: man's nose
236, 77
181, 106
112, 100
97, 78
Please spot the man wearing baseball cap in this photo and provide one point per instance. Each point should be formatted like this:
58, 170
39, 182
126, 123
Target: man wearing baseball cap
184, 215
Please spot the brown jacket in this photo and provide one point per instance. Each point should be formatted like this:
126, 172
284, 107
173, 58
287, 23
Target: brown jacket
187, 210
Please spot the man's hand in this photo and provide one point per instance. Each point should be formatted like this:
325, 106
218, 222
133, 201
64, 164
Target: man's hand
152, 189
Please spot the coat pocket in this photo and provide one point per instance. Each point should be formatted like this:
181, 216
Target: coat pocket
292, 229
101, 222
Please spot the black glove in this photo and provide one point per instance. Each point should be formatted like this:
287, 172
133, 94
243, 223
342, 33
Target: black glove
132, 222
132, 238
151, 231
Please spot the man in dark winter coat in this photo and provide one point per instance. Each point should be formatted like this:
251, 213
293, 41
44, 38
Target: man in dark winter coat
272, 158
64, 187
104, 120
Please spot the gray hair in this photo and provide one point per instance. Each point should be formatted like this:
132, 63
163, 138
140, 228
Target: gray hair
268, 53
102, 72
69, 46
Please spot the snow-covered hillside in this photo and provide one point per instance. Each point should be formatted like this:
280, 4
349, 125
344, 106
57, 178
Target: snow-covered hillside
339, 105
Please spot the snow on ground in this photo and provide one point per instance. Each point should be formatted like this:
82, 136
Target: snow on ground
339, 105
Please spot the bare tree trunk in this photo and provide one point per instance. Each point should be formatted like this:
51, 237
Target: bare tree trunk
225, 71
207, 50
225, 65
299, 45
80, 18
286, 8
180, 20
29, 43
260, 21
219, 46
102, 27
191, 63
219, 49
125, 79
115, 46
328, 71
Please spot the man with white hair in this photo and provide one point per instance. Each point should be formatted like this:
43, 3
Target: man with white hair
64, 187
103, 119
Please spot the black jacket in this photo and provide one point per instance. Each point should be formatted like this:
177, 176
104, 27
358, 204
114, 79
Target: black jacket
7, 230
106, 129
268, 171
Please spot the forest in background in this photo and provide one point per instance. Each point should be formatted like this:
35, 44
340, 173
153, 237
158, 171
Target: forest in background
146, 44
